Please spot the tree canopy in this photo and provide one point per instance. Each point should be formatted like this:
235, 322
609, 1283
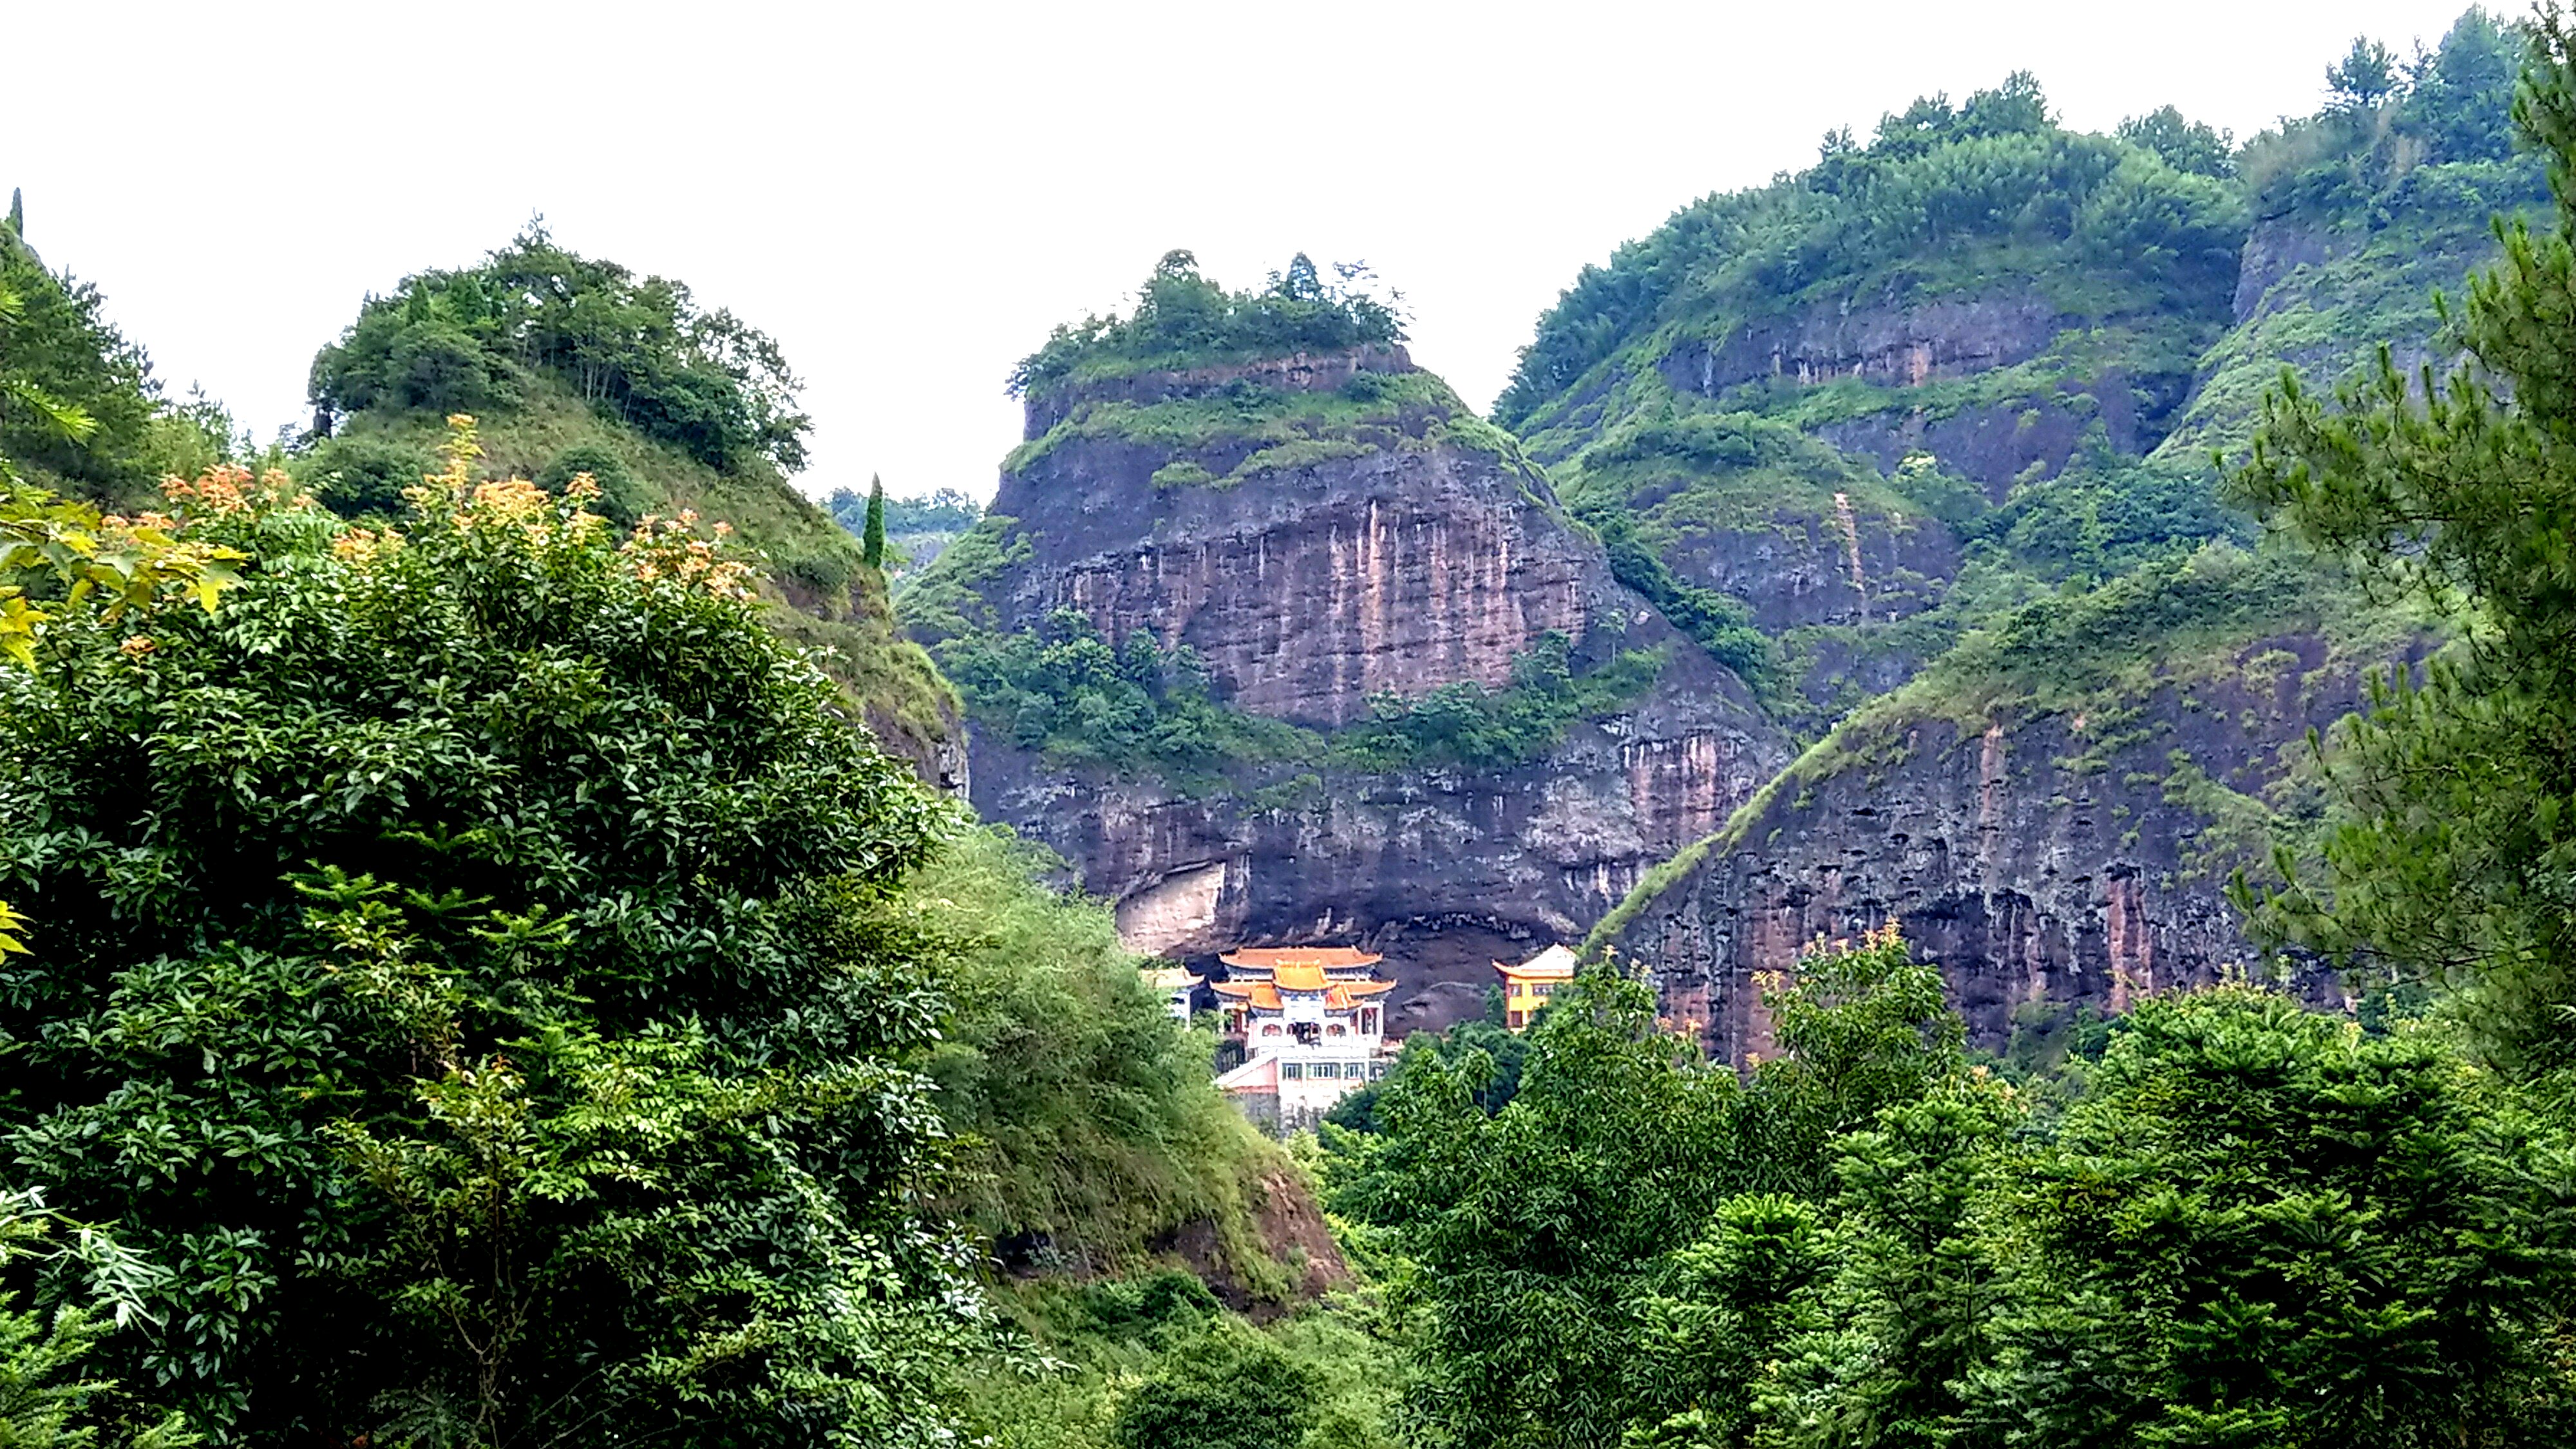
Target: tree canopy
461, 966
1182, 319
638, 349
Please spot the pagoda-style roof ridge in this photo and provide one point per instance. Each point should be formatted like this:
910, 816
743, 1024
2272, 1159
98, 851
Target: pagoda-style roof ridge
1324, 958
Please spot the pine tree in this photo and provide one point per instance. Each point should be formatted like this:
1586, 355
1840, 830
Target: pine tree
872, 541
2455, 856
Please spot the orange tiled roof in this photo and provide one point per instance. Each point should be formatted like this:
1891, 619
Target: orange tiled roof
1259, 993
1275, 958
1345, 992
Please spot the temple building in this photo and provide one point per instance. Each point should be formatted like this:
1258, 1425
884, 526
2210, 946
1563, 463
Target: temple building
1311, 1025
1528, 986
1175, 985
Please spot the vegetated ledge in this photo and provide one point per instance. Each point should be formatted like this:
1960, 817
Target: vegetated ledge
1229, 424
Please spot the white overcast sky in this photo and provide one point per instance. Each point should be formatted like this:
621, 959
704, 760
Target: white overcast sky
908, 196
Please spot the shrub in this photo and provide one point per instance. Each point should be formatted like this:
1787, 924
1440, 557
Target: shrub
363, 477
623, 498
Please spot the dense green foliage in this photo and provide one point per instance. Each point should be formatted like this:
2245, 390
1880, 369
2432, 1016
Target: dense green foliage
1088, 1123
2255, 1225
1182, 319
49, 1396
1154, 1361
637, 349
1463, 723
1932, 203
550, 436
462, 968
1133, 705
2451, 857
1503, 1051
80, 411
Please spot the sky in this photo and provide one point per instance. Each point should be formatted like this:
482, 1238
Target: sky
908, 196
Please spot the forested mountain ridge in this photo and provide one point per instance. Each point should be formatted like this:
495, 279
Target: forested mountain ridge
573, 365
2053, 812
2036, 338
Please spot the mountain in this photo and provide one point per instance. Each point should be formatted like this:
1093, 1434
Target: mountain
2051, 807
1905, 473
1274, 639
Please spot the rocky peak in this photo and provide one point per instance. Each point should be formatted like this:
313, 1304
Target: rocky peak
1334, 535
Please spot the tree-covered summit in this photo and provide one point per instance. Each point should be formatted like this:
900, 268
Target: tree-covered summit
639, 350
1938, 199
1184, 319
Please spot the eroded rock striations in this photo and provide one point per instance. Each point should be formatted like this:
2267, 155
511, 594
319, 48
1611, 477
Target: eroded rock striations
1325, 532
2050, 825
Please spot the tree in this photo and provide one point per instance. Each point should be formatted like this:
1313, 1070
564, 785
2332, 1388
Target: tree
872, 541
2364, 79
461, 967
2185, 145
2453, 855
1565, 1257
638, 350
2460, 97
2260, 1226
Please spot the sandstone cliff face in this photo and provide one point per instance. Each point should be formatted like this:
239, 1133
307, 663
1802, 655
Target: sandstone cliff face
2040, 852
1898, 346
1893, 346
1405, 553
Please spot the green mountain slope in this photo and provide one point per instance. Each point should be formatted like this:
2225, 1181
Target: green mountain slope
576, 366
1887, 400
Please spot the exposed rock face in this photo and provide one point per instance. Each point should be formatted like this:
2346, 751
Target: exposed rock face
1398, 578
1889, 345
2276, 248
1998, 445
1900, 346
1427, 553
2048, 858
1851, 566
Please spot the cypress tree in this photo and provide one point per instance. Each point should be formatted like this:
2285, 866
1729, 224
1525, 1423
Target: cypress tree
872, 540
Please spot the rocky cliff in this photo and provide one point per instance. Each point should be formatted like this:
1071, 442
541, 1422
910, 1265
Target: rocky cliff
2050, 814
1330, 537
